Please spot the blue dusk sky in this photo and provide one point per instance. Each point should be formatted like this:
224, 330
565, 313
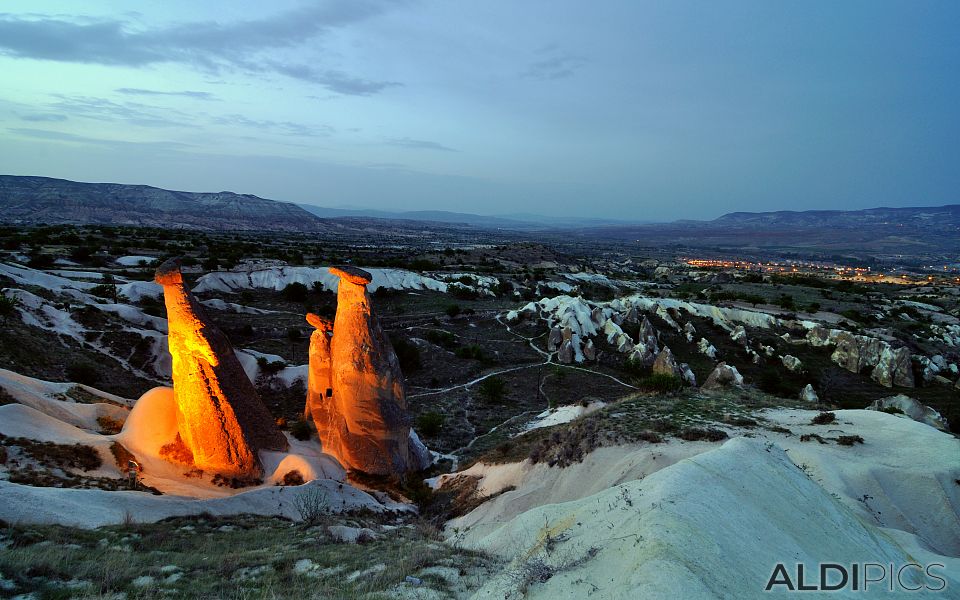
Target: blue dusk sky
626, 109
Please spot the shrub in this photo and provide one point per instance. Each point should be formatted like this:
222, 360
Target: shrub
429, 424
709, 434
82, 372
293, 477
311, 505
8, 306
408, 354
109, 425
442, 338
849, 440
121, 456
824, 418
472, 351
270, 367
453, 310
295, 292
301, 430
492, 389
660, 383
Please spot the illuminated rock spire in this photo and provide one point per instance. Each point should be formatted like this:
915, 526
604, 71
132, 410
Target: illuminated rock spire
219, 414
363, 423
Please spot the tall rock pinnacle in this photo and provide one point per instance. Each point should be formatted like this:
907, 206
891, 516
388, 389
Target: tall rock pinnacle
219, 413
363, 423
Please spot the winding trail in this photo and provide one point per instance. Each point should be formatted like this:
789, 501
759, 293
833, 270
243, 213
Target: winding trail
548, 361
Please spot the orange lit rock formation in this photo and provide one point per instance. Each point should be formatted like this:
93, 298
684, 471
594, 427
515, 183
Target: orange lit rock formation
363, 423
220, 417
320, 382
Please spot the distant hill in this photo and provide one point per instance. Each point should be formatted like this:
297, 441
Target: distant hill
517, 222
874, 231
35, 200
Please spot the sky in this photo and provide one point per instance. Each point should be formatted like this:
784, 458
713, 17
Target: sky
626, 109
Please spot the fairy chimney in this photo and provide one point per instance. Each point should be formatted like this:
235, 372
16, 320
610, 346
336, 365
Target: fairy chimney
220, 417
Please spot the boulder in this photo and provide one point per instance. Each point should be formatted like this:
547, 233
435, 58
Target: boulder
689, 331
364, 424
565, 354
792, 363
666, 364
723, 376
739, 335
554, 339
220, 417
632, 317
913, 409
687, 375
589, 351
706, 348
648, 335
894, 367
808, 394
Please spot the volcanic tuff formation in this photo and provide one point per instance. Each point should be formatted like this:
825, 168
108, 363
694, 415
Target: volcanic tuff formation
219, 415
363, 422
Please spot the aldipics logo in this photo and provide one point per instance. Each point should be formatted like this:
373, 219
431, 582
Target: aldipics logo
856, 577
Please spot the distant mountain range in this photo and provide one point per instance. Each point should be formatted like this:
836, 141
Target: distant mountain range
36, 200
517, 221
875, 231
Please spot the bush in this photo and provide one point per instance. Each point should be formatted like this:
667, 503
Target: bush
122, 456
311, 505
8, 307
293, 477
301, 430
472, 351
453, 310
824, 418
849, 440
295, 292
82, 372
429, 424
109, 425
442, 338
660, 383
408, 354
492, 389
270, 367
709, 434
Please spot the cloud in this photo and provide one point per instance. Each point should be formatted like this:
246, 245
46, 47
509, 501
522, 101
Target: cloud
554, 67
284, 127
185, 93
135, 113
61, 136
209, 45
406, 142
48, 117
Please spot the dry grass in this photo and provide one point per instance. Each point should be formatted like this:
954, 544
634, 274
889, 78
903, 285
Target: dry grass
232, 557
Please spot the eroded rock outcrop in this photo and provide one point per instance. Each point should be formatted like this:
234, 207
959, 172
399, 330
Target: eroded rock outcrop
364, 423
723, 376
911, 408
220, 417
666, 364
320, 378
808, 394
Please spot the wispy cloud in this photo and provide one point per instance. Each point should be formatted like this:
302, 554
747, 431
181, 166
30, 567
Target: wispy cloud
284, 127
44, 117
209, 45
406, 142
555, 65
184, 93
135, 113
61, 136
